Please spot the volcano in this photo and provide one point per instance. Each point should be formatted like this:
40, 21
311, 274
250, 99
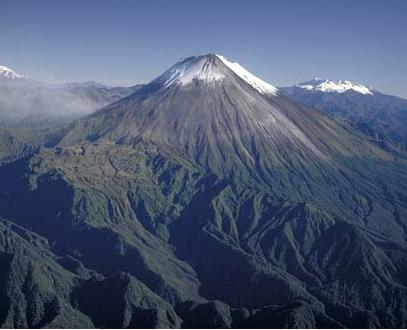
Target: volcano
219, 114
207, 198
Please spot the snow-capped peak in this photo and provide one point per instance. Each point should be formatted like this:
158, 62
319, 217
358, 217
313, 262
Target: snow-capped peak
338, 86
262, 86
189, 69
7, 73
210, 68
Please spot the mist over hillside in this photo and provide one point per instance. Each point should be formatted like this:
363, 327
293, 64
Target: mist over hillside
27, 103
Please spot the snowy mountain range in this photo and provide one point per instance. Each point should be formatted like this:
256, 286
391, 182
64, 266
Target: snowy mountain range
332, 86
382, 117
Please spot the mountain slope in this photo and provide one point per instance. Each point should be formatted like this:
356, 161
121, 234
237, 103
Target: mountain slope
380, 116
39, 289
206, 186
211, 112
34, 288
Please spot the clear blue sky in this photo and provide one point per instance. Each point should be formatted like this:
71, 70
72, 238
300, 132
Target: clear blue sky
284, 42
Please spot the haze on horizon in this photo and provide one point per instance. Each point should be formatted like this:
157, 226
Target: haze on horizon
283, 42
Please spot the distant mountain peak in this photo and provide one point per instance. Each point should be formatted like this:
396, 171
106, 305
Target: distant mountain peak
210, 68
334, 86
7, 73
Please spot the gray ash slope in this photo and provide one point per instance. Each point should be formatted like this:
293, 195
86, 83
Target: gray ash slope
233, 205
209, 111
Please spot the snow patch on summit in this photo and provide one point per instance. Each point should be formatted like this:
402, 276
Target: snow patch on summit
187, 70
211, 68
339, 86
7, 73
262, 86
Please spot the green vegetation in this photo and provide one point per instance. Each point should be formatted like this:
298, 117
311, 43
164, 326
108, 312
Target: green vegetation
204, 206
